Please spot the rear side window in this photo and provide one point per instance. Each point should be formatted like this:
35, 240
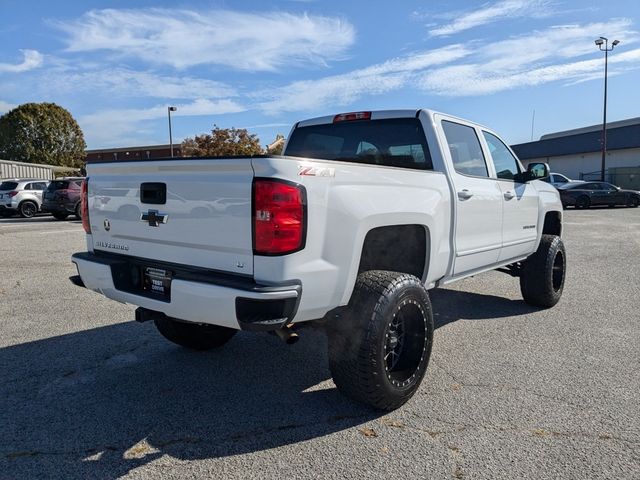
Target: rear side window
58, 185
505, 163
465, 149
394, 142
8, 185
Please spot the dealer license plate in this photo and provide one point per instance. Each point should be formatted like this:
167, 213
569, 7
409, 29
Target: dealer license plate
157, 281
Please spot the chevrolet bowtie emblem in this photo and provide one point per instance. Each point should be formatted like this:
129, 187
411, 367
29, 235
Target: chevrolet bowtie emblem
154, 218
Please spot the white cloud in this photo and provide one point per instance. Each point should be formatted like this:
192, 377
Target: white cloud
125, 82
185, 38
31, 59
554, 54
540, 57
6, 106
127, 126
343, 89
490, 13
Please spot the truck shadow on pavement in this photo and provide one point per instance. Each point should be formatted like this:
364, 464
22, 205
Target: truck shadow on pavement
101, 402
453, 305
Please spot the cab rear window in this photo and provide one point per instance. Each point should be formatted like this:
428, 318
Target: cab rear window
394, 142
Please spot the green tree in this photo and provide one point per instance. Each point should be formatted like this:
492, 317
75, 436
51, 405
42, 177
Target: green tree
222, 142
41, 133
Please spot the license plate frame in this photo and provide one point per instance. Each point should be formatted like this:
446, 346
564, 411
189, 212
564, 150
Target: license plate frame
157, 282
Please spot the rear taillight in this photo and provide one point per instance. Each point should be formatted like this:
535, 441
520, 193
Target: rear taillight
84, 205
12, 194
349, 117
279, 211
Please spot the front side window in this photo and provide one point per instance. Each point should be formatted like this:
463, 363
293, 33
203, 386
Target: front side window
505, 163
559, 179
465, 149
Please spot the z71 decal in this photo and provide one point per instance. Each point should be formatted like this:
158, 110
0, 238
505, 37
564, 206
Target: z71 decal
315, 171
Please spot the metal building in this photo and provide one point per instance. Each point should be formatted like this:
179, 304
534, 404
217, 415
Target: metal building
11, 169
578, 153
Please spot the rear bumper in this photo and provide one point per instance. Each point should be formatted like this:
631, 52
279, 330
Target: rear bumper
196, 295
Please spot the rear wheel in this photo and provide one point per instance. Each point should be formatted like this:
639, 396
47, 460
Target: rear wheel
195, 336
78, 212
633, 202
379, 348
583, 202
28, 209
543, 273
59, 216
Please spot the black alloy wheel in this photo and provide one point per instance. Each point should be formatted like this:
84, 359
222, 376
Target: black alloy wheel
28, 209
583, 202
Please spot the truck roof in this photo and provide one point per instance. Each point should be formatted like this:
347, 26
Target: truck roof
382, 114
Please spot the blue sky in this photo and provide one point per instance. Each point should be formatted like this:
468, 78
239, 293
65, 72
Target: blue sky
117, 65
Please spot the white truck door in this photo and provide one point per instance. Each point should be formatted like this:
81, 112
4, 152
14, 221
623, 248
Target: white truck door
478, 200
520, 201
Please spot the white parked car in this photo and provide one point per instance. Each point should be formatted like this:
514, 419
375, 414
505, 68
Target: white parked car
22, 196
557, 180
363, 214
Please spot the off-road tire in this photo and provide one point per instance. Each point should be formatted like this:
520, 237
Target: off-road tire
195, 336
359, 339
543, 273
28, 209
60, 216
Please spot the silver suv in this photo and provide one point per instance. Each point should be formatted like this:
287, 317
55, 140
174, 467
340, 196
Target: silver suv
21, 195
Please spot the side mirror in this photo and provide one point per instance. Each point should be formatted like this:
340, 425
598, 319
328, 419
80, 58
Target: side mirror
535, 171
538, 171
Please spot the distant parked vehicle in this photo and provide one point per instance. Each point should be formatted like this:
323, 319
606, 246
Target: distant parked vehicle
586, 194
22, 196
62, 198
557, 180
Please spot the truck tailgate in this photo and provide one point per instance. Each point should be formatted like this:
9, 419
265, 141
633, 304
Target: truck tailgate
204, 218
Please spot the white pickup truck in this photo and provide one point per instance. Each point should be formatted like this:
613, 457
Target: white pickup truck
363, 214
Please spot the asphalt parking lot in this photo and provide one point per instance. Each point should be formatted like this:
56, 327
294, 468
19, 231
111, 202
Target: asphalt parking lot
511, 392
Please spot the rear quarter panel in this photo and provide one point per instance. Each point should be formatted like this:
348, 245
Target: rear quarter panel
345, 201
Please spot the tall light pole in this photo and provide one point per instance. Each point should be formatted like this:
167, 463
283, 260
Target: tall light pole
169, 110
600, 42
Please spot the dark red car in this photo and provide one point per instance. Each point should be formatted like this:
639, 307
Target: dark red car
62, 198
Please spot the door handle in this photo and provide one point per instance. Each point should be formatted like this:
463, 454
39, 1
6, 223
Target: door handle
508, 195
465, 194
